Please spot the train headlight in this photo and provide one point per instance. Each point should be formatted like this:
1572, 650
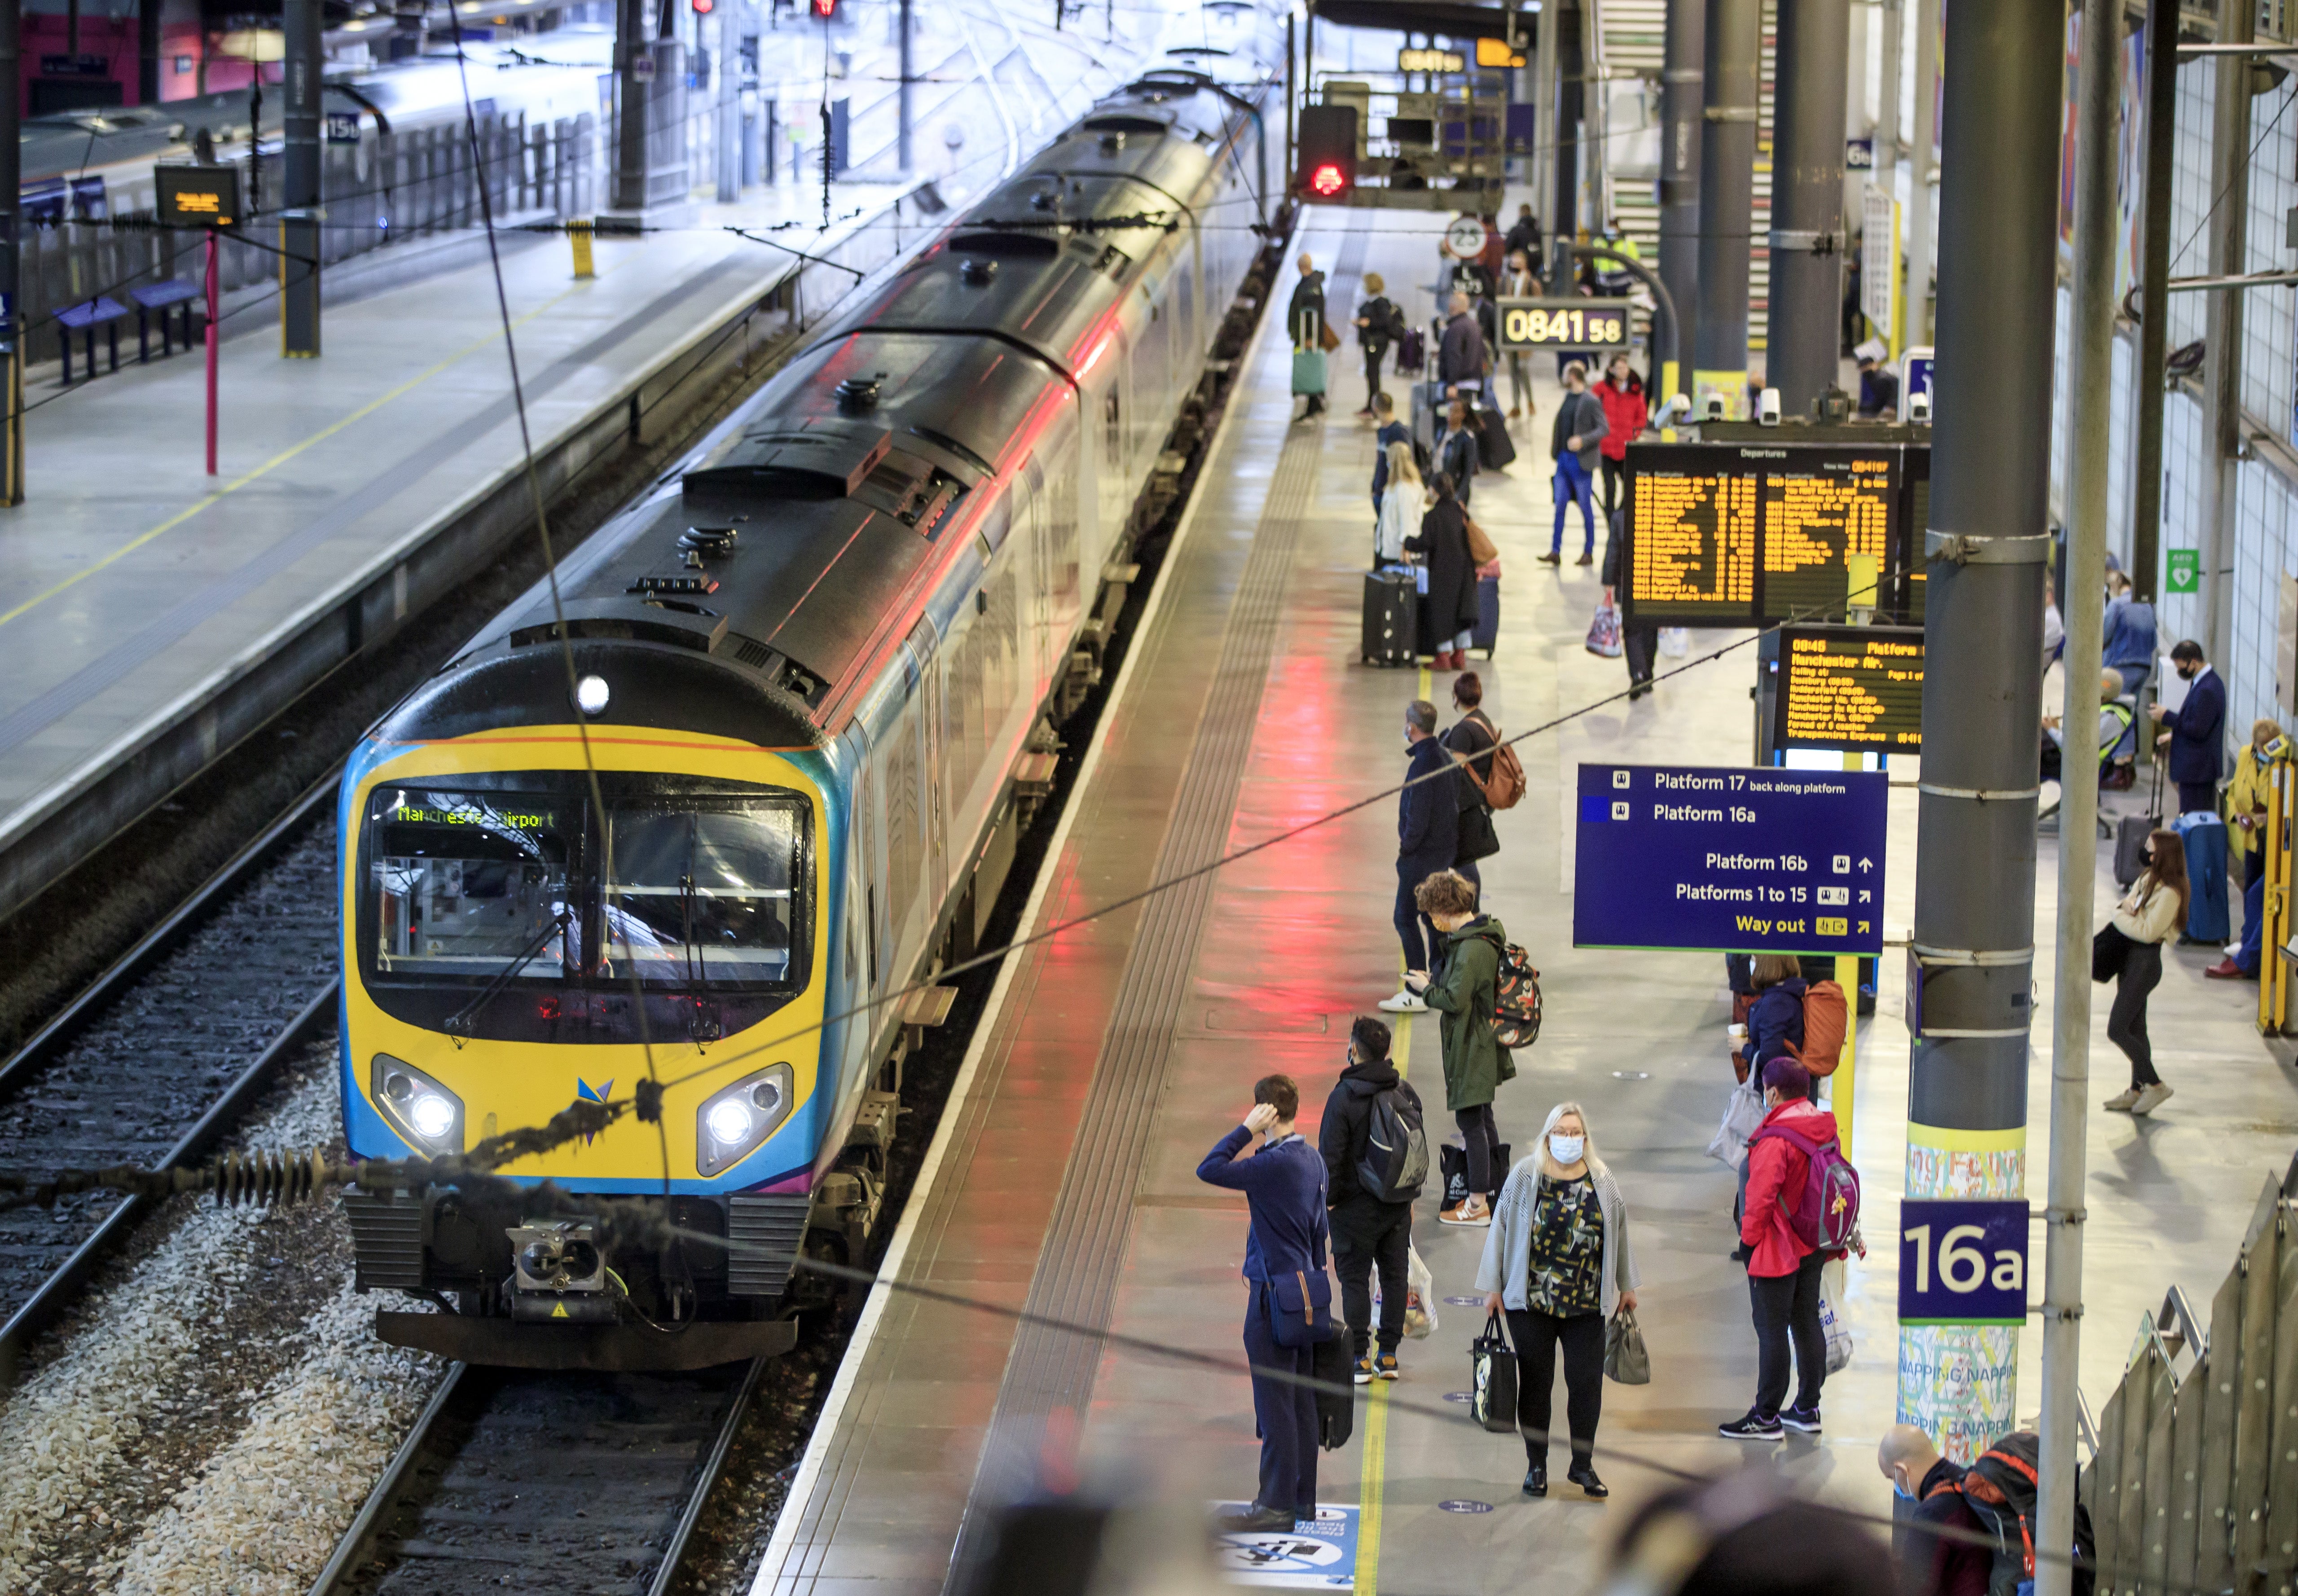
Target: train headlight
590, 695
425, 1114
735, 1120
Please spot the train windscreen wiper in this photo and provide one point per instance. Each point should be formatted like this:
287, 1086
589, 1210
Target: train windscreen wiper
463, 1023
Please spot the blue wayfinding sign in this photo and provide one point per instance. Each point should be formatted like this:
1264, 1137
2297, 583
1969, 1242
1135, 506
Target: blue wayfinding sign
1963, 1261
1753, 860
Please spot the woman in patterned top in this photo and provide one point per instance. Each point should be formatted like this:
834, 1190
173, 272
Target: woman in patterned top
1557, 1260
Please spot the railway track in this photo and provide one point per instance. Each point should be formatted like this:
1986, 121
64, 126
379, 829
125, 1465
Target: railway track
158, 1060
546, 1482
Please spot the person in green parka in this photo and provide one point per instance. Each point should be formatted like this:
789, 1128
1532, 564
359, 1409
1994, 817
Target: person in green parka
1465, 993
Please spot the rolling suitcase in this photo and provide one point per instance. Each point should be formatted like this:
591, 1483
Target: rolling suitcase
1309, 371
2130, 834
1392, 618
1487, 632
2205, 838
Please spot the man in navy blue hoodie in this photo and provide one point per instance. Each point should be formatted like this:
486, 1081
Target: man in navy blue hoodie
1284, 1186
1427, 839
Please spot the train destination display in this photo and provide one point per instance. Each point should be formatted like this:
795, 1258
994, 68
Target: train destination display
1740, 534
1859, 689
1760, 860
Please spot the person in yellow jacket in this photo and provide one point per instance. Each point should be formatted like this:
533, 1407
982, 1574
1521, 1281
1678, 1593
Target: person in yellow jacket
2248, 802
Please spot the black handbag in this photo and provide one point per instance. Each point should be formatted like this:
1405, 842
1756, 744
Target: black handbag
1479, 839
2108, 951
1492, 1378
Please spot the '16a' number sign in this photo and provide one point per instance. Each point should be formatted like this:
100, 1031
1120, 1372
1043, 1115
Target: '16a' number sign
1963, 1261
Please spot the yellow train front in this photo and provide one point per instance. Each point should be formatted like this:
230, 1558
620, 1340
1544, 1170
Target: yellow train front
709, 810
524, 930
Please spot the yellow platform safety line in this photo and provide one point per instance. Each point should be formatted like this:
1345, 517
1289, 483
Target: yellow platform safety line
275, 462
1372, 1478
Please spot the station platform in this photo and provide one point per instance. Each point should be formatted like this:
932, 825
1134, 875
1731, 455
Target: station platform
1062, 1179
150, 615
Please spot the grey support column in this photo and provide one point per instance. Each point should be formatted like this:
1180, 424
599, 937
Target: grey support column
1679, 175
2229, 245
1921, 254
2091, 345
1983, 669
2154, 306
1807, 236
902, 98
1547, 118
1727, 203
634, 69
299, 230
12, 302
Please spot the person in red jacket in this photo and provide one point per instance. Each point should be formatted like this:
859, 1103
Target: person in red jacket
1622, 395
1782, 1268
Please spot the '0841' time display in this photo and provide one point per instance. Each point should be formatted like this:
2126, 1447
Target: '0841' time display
1563, 324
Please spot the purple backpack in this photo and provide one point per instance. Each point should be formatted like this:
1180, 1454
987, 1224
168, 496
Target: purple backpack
1825, 1212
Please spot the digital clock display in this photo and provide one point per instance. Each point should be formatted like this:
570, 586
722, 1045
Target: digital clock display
1564, 323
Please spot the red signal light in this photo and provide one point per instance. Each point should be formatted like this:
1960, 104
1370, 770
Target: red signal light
1328, 181
702, 8
825, 8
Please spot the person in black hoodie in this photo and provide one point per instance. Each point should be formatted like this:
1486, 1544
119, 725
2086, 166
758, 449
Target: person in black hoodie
1366, 1229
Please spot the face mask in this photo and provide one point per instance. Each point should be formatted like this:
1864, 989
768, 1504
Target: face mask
1566, 1149
1900, 1491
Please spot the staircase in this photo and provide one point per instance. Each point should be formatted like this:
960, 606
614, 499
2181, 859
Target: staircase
1630, 48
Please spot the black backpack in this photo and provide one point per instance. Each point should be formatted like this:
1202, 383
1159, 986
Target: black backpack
1395, 1161
2000, 1490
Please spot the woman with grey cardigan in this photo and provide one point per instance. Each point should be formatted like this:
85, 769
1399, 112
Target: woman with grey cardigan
1557, 1260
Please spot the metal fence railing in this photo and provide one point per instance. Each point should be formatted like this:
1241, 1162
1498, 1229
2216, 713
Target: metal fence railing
2194, 1483
384, 190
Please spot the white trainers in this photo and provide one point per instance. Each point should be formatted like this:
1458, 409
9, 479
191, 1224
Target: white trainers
2151, 1098
2123, 1102
1406, 1002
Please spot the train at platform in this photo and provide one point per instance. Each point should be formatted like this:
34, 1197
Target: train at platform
707, 808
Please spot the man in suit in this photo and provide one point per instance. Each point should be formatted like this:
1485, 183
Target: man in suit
1283, 1187
2195, 730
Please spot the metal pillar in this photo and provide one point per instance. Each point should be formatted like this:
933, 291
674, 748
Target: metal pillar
1727, 203
12, 319
1806, 239
1292, 170
2091, 345
1679, 172
902, 99
634, 64
1986, 550
1547, 118
1891, 18
2153, 300
2229, 235
299, 222
726, 73
1921, 250
147, 52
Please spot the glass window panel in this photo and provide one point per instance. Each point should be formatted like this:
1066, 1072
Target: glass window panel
703, 896
469, 884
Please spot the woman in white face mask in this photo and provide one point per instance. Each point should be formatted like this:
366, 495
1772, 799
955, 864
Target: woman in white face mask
1556, 1261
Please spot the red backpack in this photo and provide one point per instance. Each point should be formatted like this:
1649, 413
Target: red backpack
1826, 1210
1826, 1022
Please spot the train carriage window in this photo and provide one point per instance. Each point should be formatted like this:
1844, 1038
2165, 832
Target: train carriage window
702, 897
470, 884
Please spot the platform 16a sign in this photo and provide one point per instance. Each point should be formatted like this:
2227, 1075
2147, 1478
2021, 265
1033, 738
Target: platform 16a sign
1963, 1261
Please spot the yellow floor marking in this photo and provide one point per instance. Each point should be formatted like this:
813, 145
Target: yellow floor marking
276, 461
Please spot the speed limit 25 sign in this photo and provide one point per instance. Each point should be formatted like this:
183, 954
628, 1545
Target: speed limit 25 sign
1962, 1262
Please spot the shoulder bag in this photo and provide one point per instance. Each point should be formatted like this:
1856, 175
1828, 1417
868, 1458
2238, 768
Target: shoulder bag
1300, 1303
1492, 1378
1626, 1360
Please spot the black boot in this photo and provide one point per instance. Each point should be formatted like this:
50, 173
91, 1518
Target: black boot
1535, 1480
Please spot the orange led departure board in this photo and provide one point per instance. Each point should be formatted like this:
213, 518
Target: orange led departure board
1746, 535
1854, 688
1693, 545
